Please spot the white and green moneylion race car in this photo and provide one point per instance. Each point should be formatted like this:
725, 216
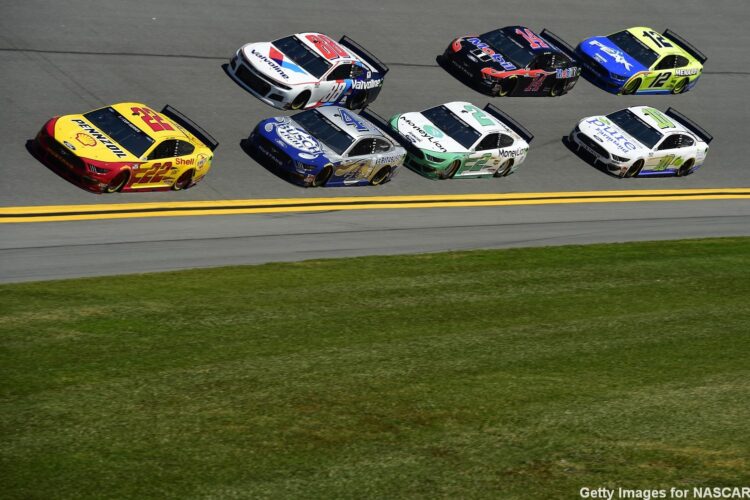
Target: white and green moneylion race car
460, 140
642, 141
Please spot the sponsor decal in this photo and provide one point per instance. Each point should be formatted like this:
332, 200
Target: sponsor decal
297, 138
278, 58
615, 54
424, 134
95, 134
85, 139
271, 63
612, 135
685, 72
566, 73
360, 85
385, 160
183, 161
202, 159
508, 66
513, 153
69, 145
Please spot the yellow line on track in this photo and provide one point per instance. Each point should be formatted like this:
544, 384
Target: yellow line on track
54, 213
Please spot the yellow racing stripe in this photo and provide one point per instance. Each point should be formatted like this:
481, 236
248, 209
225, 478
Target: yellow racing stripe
53, 213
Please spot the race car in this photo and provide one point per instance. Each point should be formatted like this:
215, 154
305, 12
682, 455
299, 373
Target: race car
642, 141
513, 61
641, 61
307, 70
457, 139
330, 146
127, 147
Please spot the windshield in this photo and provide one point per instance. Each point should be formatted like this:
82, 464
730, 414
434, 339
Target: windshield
298, 52
634, 48
512, 50
120, 130
451, 125
324, 130
636, 127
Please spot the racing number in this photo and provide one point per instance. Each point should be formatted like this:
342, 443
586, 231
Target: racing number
327, 47
660, 80
479, 115
478, 163
338, 88
152, 119
659, 40
534, 41
153, 174
666, 161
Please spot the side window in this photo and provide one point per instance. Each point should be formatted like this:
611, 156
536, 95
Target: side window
166, 149
670, 142
489, 142
684, 141
539, 62
505, 141
184, 148
382, 146
341, 72
363, 147
681, 62
667, 62
357, 72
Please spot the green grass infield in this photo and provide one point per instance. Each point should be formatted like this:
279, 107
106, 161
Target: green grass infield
526, 373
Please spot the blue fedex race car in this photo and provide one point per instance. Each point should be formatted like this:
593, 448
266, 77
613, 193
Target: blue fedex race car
328, 146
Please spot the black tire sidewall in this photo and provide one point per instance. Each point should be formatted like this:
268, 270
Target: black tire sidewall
120, 185
304, 94
387, 170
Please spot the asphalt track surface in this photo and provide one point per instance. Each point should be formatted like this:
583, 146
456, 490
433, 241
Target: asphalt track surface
68, 57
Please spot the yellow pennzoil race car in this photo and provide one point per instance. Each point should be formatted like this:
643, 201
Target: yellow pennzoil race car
127, 147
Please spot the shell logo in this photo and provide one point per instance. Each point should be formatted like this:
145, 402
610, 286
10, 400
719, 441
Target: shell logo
85, 139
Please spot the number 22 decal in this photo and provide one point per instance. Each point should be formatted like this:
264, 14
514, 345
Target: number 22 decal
152, 119
153, 174
660, 80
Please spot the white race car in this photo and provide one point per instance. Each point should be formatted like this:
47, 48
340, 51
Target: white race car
307, 70
643, 141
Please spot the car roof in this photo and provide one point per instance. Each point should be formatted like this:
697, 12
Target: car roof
649, 42
126, 110
659, 120
308, 37
350, 122
458, 109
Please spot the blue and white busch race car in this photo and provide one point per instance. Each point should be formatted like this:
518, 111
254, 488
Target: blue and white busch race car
642, 141
307, 70
328, 146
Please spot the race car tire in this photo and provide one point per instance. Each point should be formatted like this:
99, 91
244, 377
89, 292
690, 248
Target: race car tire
300, 101
323, 176
118, 182
184, 181
632, 87
504, 169
680, 86
507, 86
557, 88
685, 168
357, 101
449, 172
634, 169
380, 176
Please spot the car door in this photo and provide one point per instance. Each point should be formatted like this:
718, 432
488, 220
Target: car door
484, 157
358, 164
661, 75
335, 83
670, 153
157, 169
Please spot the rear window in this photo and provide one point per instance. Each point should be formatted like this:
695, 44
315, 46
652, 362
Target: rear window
298, 52
324, 130
634, 47
120, 130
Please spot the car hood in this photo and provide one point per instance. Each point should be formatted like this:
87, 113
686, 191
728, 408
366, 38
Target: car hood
86, 141
610, 56
296, 142
614, 139
274, 64
425, 135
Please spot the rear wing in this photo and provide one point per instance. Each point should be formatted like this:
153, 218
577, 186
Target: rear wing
561, 44
385, 127
510, 122
191, 126
686, 46
364, 54
690, 125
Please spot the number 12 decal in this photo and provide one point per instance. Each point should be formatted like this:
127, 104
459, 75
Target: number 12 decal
660, 80
659, 40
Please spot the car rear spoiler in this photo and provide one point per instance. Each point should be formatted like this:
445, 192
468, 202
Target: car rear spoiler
690, 124
386, 128
559, 43
364, 54
191, 126
687, 46
510, 122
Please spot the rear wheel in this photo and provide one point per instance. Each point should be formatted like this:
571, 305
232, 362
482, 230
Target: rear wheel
680, 86
323, 176
557, 88
300, 101
632, 87
450, 171
634, 169
685, 168
503, 169
381, 176
184, 181
357, 101
118, 182
507, 86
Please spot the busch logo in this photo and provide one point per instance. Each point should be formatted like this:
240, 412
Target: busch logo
298, 139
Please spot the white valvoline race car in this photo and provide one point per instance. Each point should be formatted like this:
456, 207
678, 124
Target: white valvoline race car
643, 141
307, 70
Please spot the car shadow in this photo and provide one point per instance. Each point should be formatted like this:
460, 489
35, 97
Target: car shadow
586, 157
265, 163
440, 60
54, 166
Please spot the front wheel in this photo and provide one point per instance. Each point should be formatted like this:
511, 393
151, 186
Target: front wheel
184, 181
300, 101
634, 169
685, 168
632, 87
381, 176
118, 182
507, 86
323, 176
450, 171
